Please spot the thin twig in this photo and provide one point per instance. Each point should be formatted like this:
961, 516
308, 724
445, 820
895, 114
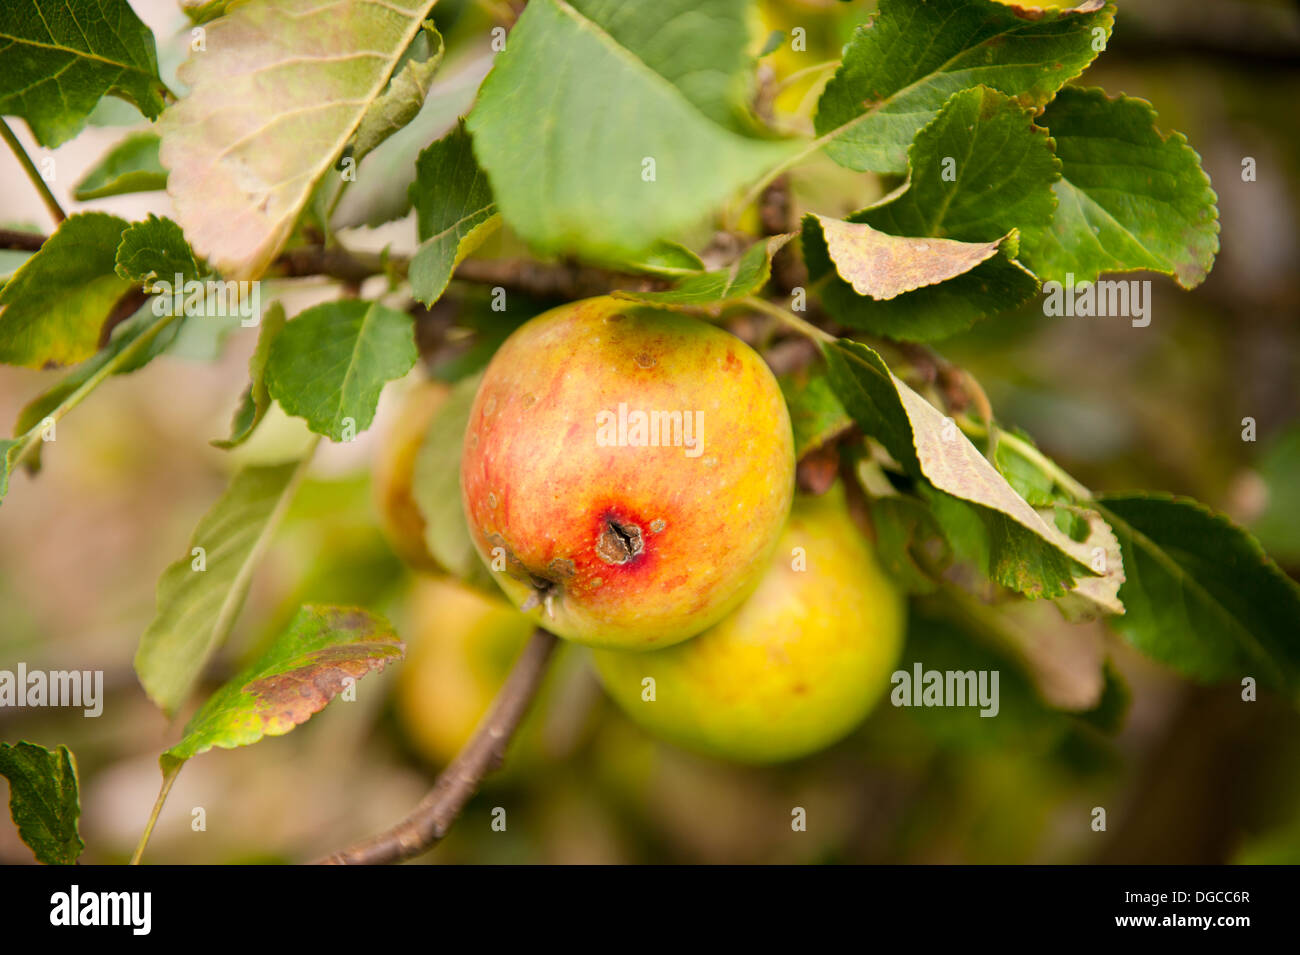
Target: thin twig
29, 167
563, 280
429, 822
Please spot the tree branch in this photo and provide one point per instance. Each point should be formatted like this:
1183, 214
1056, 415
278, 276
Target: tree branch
564, 280
429, 822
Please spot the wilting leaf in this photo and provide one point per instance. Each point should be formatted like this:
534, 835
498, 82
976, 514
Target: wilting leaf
44, 800
279, 92
53, 307
405, 94
900, 68
978, 171
130, 166
816, 415
575, 169
197, 607
746, 276
156, 250
257, 397
1130, 198
973, 279
883, 266
58, 58
323, 651
454, 211
1201, 594
1097, 596
984, 519
436, 488
331, 362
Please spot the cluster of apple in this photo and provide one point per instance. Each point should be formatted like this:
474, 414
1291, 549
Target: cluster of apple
725, 612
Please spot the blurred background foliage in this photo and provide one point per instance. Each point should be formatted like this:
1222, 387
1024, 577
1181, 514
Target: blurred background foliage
1191, 775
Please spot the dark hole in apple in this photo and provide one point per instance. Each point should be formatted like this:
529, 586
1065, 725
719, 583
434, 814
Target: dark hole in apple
619, 542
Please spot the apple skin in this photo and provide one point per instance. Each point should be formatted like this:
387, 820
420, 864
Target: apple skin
626, 547
794, 668
393, 472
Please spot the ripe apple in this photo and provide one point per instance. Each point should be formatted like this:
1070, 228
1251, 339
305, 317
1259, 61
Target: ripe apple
393, 472
793, 669
626, 472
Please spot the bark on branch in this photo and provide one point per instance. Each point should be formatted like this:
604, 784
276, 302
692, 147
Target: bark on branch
432, 818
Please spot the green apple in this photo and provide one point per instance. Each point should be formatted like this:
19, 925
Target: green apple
626, 472
794, 668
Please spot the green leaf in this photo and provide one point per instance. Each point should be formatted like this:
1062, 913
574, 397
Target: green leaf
331, 362
985, 520
197, 608
53, 307
1130, 198
900, 68
155, 250
454, 212
1202, 596
291, 83
44, 801
746, 276
911, 289
904, 526
570, 165
816, 415
668, 259
978, 171
699, 46
404, 96
126, 336
130, 166
435, 487
59, 57
1025, 477
257, 397
317, 657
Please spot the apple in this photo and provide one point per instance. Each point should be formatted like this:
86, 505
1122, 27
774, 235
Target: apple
393, 472
794, 668
626, 472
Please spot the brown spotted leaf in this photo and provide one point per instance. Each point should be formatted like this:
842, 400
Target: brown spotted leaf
324, 650
279, 91
883, 266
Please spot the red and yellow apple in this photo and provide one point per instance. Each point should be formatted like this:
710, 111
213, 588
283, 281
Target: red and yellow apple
626, 472
793, 669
